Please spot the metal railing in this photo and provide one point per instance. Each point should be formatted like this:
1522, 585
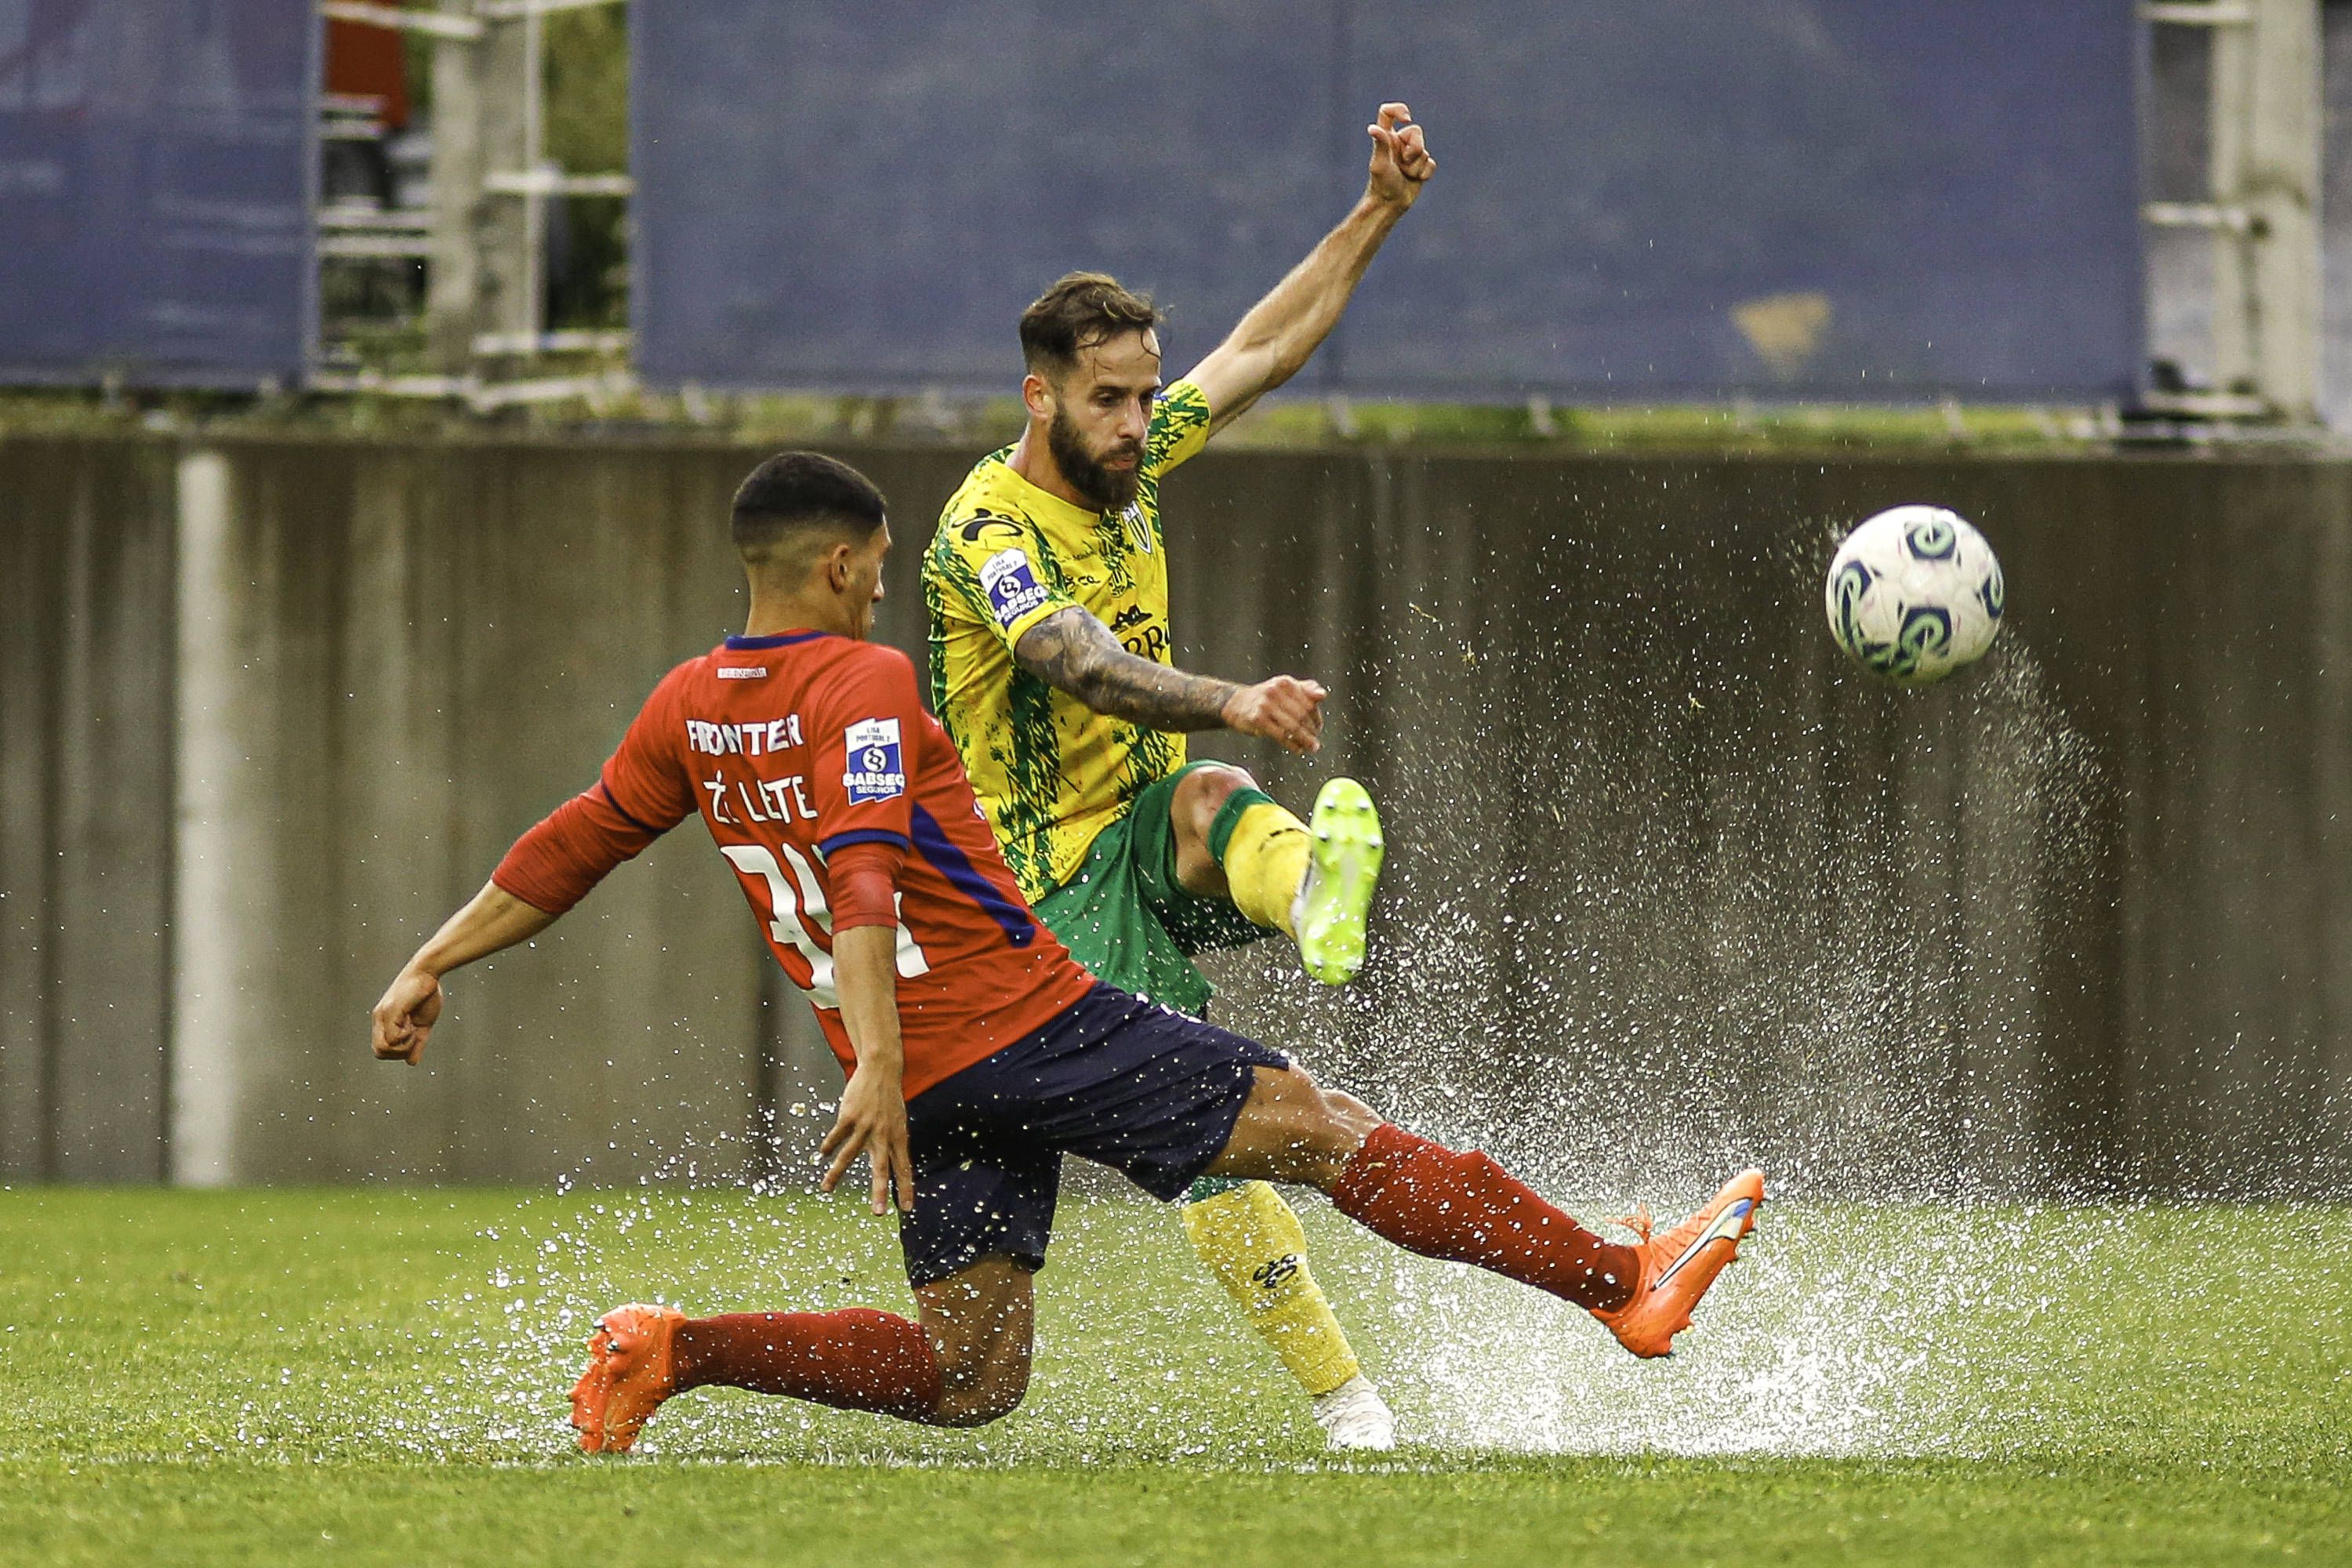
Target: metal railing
486, 287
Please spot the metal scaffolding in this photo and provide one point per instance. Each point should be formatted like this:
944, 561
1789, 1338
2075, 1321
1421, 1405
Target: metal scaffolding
483, 236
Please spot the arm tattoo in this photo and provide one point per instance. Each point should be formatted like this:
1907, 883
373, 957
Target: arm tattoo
1072, 651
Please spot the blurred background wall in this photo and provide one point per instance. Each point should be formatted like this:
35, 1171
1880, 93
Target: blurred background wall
1655, 196
156, 164
1819, 198
268, 710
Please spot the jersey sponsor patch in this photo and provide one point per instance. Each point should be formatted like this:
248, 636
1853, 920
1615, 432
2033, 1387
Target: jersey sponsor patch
875, 770
1010, 586
741, 672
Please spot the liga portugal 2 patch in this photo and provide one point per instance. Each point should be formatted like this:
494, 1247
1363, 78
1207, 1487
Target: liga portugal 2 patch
876, 771
1010, 586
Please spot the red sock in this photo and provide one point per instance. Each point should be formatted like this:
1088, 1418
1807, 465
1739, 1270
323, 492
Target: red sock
1465, 1208
859, 1359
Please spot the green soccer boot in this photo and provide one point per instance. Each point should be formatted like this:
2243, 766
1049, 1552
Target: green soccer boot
1343, 866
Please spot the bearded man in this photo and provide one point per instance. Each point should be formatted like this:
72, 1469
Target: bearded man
1052, 669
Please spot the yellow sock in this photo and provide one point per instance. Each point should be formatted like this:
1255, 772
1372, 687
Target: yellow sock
1252, 1243
1264, 861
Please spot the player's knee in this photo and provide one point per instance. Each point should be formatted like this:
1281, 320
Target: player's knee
1202, 793
978, 1321
1344, 1123
977, 1409
990, 1393
1220, 779
1326, 1126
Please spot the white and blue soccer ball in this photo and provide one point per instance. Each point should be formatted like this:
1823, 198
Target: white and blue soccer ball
1914, 594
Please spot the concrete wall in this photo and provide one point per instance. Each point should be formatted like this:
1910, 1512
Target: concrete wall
86, 778
422, 653
1670, 883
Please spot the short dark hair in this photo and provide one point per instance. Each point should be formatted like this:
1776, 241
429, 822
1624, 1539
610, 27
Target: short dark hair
1080, 310
801, 490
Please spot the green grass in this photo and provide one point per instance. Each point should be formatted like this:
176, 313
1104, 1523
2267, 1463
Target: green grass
379, 1377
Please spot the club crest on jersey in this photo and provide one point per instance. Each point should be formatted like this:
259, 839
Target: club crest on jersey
874, 770
1010, 586
976, 529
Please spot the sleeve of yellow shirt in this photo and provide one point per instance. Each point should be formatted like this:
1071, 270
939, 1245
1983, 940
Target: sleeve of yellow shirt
1180, 426
1003, 574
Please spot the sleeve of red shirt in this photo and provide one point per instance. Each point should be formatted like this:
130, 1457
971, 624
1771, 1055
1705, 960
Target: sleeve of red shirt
867, 724
641, 795
865, 884
868, 721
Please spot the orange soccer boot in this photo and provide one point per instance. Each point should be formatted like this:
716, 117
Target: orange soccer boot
629, 1375
1678, 1266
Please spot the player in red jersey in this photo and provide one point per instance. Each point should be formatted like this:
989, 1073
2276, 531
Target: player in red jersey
978, 1052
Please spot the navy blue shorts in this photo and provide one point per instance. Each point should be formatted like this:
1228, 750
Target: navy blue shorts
1120, 1080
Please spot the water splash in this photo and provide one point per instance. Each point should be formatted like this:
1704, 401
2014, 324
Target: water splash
1734, 902
1840, 1332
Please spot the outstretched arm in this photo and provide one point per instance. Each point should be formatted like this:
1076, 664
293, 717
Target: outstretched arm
1283, 330
1073, 652
492, 920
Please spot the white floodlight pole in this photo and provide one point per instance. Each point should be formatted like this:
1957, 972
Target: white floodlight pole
2265, 165
2262, 178
482, 274
533, 309
505, 98
486, 288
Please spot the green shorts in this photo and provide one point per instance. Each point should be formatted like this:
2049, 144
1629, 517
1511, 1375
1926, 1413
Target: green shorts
1126, 918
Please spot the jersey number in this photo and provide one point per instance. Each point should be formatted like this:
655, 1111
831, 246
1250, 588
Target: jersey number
790, 898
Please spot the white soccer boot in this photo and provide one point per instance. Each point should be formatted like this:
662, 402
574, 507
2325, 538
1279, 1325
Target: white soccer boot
1356, 1418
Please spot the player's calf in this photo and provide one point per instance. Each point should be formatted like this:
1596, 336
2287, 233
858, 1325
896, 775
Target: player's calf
641, 1357
967, 1363
1252, 1241
1465, 1208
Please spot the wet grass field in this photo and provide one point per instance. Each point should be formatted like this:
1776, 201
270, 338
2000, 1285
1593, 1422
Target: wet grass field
379, 1377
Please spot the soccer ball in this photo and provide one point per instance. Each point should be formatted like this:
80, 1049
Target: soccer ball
1914, 594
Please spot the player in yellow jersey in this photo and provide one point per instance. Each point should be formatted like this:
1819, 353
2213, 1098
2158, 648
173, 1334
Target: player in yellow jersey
1047, 590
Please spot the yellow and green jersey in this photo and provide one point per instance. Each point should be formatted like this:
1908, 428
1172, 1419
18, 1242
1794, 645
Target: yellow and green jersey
1049, 770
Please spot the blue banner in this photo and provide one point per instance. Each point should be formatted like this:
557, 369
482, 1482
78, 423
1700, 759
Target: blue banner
1637, 198
156, 162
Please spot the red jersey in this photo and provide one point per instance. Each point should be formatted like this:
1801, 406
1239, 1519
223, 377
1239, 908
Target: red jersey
792, 748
